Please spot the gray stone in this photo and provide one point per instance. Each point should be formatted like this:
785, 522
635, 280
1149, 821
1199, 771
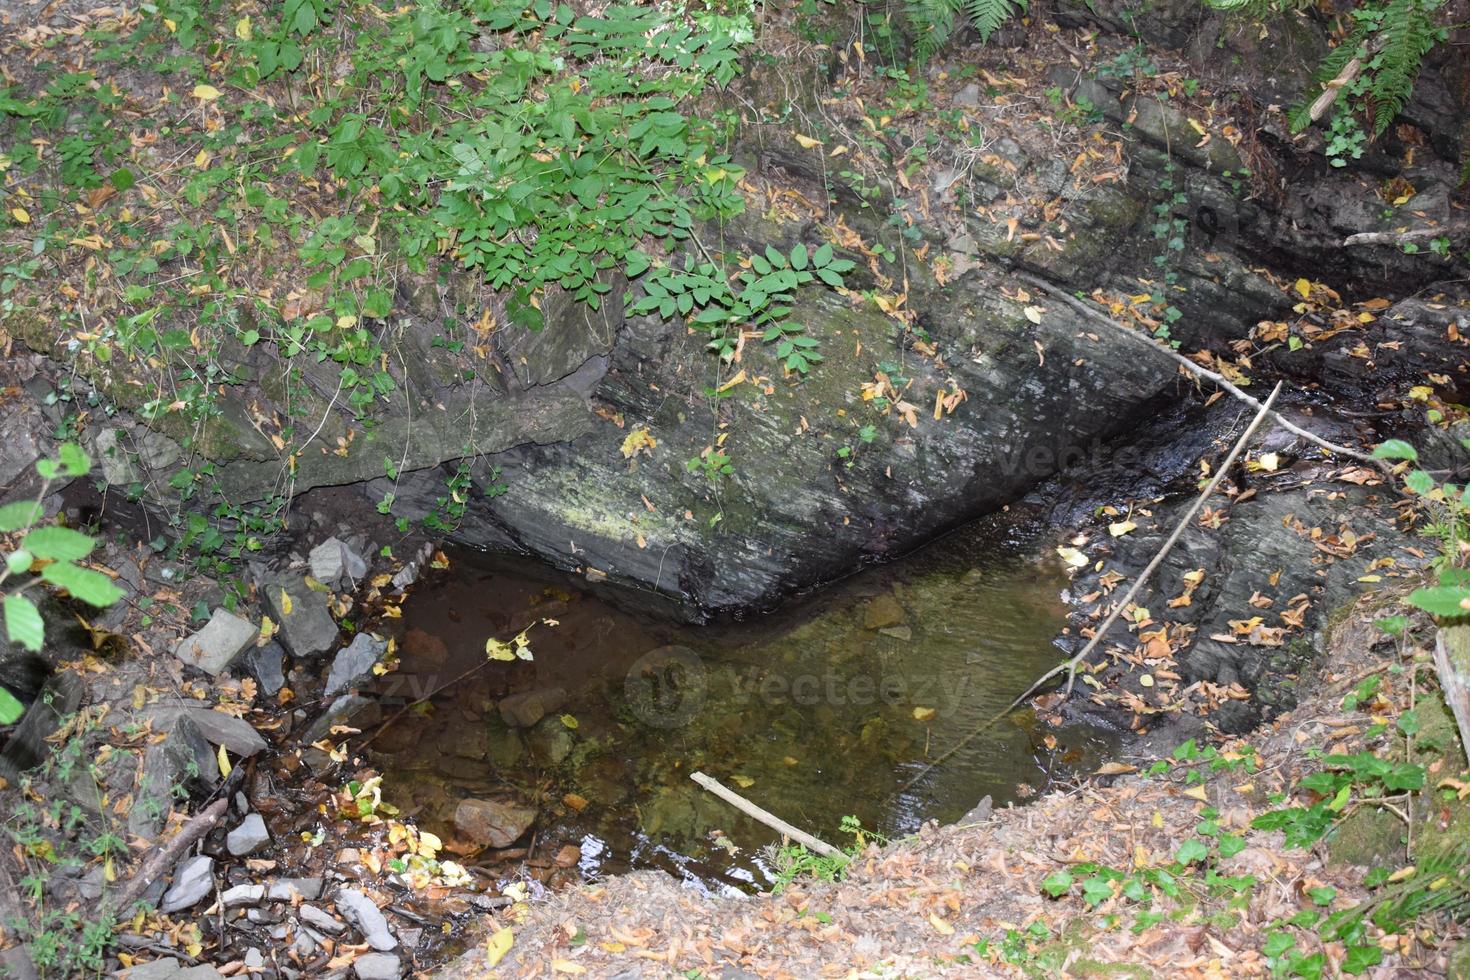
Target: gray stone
286, 889
249, 837
358, 909
551, 742
265, 665
332, 559
528, 707
254, 958
308, 629
320, 920
969, 96
377, 966
235, 734
216, 646
169, 968
346, 710
183, 759
193, 879
491, 823
242, 895
354, 664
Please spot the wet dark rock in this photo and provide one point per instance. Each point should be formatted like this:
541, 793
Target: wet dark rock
551, 742
249, 837
359, 910
526, 708
354, 664
491, 823
193, 880
56, 699
266, 665
308, 629
346, 710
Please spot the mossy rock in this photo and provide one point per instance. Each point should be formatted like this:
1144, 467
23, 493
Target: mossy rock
1367, 838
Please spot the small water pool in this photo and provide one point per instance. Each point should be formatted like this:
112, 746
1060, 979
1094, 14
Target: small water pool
833, 707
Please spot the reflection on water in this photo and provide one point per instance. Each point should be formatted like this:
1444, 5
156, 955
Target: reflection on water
817, 712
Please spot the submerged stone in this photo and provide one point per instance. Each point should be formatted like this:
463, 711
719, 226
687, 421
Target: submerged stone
491, 823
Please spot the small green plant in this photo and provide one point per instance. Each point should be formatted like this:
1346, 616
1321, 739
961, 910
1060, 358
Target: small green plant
792, 861
933, 21
1448, 509
45, 557
713, 463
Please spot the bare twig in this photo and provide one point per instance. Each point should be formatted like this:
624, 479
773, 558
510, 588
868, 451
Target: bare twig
769, 819
1070, 666
1400, 237
166, 855
1203, 372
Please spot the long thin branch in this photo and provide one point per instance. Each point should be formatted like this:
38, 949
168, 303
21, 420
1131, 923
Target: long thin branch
166, 855
1070, 666
1203, 372
769, 819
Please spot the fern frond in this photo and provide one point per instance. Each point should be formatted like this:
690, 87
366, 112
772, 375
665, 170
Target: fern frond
1407, 32
932, 22
988, 15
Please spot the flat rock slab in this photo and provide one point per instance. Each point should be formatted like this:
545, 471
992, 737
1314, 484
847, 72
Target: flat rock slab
216, 646
332, 559
354, 664
266, 665
377, 966
171, 969
307, 627
528, 707
235, 734
249, 837
358, 909
193, 879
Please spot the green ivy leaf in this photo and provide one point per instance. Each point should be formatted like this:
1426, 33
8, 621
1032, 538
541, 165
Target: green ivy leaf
58, 543
1191, 851
91, 587
1442, 600
74, 460
24, 626
1058, 883
14, 517
1360, 958
1396, 449
10, 709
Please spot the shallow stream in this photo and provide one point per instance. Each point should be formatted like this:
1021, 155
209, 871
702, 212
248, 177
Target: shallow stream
833, 707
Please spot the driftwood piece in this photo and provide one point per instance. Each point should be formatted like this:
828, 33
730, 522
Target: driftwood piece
1452, 663
769, 819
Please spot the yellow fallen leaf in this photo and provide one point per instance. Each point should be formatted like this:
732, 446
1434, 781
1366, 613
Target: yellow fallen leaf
1033, 313
1116, 769
498, 650
1120, 528
1197, 793
638, 441
940, 926
806, 141
744, 782
569, 720
739, 377
1147, 680
1304, 287
924, 714
243, 30
1072, 557
206, 93
567, 966
21, 215
224, 762
285, 603
497, 946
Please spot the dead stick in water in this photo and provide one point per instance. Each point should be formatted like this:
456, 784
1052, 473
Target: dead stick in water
1070, 666
1218, 380
769, 819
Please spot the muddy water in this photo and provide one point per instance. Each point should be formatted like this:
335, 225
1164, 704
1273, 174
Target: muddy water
828, 709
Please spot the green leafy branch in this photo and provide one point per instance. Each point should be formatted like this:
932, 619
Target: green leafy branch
46, 555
